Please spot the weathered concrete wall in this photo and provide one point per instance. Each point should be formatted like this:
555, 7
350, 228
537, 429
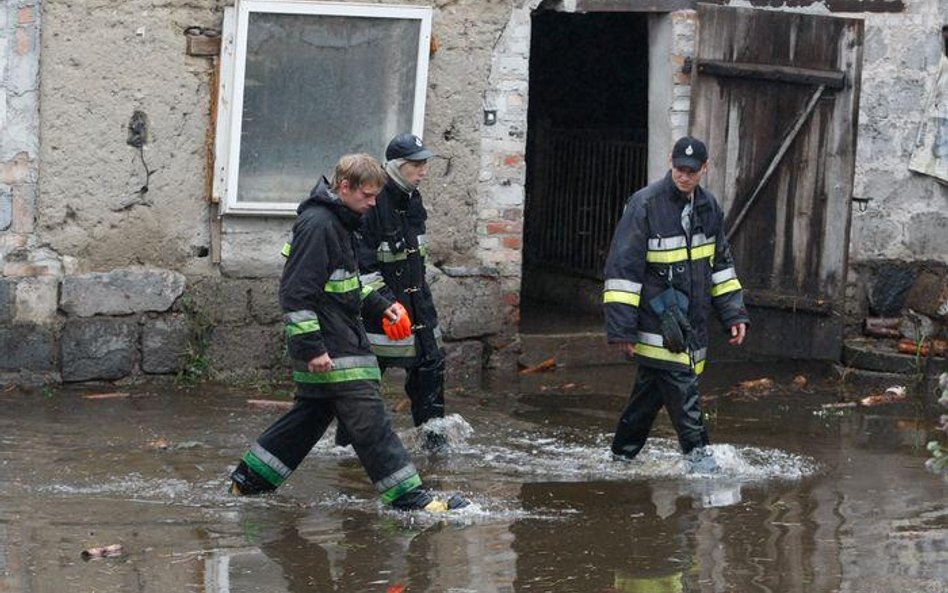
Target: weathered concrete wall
102, 61
85, 209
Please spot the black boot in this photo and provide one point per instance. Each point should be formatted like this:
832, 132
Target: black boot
421, 500
246, 482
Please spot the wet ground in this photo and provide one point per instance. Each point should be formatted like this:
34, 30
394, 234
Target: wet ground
805, 498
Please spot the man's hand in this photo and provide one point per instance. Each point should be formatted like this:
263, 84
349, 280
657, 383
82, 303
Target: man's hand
737, 334
320, 364
396, 324
627, 348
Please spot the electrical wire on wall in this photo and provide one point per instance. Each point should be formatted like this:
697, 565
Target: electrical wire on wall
137, 137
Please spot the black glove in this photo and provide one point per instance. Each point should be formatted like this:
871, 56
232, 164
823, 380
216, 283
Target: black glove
672, 332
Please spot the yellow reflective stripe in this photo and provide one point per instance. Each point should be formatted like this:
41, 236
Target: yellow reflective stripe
703, 251
649, 351
342, 285
618, 296
302, 327
666, 257
339, 375
385, 255
657, 353
285, 252
725, 287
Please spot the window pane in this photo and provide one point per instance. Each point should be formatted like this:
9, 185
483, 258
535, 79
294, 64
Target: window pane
317, 87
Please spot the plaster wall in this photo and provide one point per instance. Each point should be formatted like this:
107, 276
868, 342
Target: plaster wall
905, 216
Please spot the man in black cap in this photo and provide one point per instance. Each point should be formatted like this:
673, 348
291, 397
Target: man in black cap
392, 248
668, 266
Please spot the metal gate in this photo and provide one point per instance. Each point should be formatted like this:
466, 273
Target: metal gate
580, 185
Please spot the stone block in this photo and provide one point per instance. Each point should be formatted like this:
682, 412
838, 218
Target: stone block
99, 348
121, 291
27, 347
7, 290
238, 351
265, 301
251, 248
889, 287
467, 306
165, 344
35, 300
6, 208
464, 363
222, 300
925, 235
929, 294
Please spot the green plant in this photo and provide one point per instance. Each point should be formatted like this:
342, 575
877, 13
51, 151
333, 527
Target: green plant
939, 460
197, 363
48, 391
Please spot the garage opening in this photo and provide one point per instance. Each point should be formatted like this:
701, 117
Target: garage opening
586, 152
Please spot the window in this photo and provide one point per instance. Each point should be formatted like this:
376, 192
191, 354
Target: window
303, 83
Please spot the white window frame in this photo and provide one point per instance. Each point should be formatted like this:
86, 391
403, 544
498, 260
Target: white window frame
231, 86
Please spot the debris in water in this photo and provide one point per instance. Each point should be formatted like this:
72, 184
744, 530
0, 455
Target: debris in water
756, 384
398, 588
157, 445
800, 381
892, 395
547, 365
113, 395
563, 387
838, 405
111, 551
270, 404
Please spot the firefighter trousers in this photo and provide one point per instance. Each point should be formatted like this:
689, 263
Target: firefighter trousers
424, 385
359, 407
677, 390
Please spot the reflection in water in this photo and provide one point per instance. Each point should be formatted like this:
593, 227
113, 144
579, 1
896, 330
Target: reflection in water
354, 551
800, 504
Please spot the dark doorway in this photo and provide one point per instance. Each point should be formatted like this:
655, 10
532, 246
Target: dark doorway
586, 152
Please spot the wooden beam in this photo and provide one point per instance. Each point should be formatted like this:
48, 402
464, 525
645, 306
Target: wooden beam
829, 78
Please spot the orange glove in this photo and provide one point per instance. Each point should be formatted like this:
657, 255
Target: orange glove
401, 327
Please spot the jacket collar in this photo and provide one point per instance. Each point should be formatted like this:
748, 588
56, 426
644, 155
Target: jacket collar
322, 195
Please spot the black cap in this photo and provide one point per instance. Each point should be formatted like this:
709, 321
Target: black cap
408, 147
689, 152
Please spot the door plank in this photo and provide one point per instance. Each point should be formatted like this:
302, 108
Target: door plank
772, 166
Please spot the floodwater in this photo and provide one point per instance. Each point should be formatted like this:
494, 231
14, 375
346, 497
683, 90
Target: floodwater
805, 499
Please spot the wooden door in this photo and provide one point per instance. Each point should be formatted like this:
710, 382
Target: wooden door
775, 95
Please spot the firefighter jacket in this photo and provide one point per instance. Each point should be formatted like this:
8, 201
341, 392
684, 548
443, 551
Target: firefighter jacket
392, 249
321, 293
652, 251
